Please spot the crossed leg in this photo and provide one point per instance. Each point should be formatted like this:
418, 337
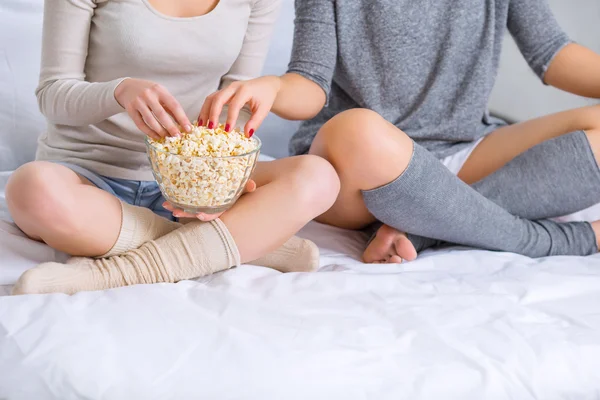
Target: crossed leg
368, 153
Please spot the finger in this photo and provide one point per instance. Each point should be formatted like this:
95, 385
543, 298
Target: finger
175, 109
207, 217
205, 111
219, 100
235, 105
256, 120
151, 121
250, 186
164, 118
141, 125
168, 206
183, 214
176, 211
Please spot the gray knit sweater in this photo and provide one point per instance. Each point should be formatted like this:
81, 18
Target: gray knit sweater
427, 66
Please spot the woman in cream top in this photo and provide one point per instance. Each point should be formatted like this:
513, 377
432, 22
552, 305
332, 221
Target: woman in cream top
114, 71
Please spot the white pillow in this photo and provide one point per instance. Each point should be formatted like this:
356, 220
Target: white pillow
20, 48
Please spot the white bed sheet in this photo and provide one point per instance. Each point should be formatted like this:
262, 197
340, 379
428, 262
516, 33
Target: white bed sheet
456, 324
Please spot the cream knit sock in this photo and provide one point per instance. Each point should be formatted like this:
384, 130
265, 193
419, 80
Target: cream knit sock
139, 225
296, 255
197, 249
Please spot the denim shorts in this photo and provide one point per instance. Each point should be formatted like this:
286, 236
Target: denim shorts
138, 193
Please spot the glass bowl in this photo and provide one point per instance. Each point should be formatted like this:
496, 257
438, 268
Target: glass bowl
202, 184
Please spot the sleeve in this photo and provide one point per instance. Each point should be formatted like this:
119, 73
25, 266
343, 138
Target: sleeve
64, 97
537, 33
250, 62
314, 53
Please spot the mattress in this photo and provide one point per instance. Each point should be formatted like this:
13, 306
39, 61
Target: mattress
455, 324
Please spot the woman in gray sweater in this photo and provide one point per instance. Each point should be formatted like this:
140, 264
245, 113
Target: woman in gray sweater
112, 73
395, 96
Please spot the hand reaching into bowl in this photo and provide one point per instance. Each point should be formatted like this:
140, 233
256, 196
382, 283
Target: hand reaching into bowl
250, 187
259, 94
153, 109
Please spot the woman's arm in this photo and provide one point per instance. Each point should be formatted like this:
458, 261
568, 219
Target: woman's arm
302, 92
537, 33
64, 96
314, 57
550, 52
298, 98
249, 63
576, 69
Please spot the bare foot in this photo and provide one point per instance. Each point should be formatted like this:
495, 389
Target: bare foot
389, 246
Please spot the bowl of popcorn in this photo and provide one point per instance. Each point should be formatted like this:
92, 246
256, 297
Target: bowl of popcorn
205, 170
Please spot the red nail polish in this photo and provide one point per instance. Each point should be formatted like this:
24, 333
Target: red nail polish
227, 127
210, 124
251, 133
200, 122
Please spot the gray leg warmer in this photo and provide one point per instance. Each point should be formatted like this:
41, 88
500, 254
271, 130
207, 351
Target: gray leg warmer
428, 200
555, 178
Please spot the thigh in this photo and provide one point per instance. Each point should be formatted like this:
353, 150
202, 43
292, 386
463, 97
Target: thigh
501, 146
270, 171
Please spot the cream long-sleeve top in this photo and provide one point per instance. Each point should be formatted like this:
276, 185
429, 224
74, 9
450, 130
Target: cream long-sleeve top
90, 46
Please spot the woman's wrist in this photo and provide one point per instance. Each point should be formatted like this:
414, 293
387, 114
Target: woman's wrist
120, 88
276, 81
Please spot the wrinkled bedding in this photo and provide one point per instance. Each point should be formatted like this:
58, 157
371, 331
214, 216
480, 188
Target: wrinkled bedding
456, 324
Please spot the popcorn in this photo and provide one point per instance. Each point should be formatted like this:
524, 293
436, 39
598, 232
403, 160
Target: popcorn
204, 170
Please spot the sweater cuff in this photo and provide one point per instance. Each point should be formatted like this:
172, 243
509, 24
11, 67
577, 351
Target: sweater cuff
110, 102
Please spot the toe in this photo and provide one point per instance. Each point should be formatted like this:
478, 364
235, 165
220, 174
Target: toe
314, 256
379, 248
28, 283
405, 249
395, 260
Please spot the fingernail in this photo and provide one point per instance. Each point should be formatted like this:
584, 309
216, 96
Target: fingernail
210, 124
251, 133
188, 128
200, 217
200, 122
227, 127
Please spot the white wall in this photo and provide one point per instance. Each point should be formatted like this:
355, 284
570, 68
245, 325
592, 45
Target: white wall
519, 94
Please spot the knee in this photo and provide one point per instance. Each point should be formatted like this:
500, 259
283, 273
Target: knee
362, 146
26, 188
351, 131
33, 195
315, 183
362, 138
